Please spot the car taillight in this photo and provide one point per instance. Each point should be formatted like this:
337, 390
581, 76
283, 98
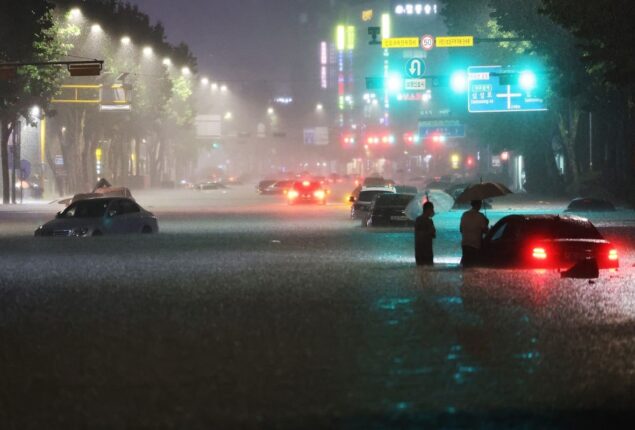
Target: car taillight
293, 194
613, 255
319, 194
306, 183
539, 253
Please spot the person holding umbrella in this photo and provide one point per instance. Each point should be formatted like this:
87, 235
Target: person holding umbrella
474, 225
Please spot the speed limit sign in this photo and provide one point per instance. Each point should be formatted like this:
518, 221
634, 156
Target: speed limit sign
427, 42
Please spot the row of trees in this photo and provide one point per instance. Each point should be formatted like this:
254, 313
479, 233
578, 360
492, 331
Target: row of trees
584, 50
159, 128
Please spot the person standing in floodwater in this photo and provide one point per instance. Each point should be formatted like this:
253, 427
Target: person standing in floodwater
425, 233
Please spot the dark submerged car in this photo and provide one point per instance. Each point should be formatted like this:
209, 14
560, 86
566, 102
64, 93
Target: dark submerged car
590, 205
546, 242
361, 204
389, 210
98, 217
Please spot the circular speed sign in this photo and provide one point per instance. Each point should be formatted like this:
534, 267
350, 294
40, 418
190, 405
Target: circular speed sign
427, 42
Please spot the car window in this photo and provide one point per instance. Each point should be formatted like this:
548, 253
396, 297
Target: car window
368, 196
115, 208
129, 207
498, 233
86, 209
576, 229
393, 200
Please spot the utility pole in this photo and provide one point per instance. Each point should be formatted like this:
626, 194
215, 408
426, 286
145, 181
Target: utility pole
590, 141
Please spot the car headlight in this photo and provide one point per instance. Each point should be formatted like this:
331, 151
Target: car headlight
81, 231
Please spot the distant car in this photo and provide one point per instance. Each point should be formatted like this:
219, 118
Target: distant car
210, 186
546, 242
590, 205
360, 204
279, 187
307, 192
377, 181
100, 216
389, 210
262, 186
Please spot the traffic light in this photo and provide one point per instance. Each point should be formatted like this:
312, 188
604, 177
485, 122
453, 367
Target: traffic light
526, 79
411, 138
458, 81
394, 83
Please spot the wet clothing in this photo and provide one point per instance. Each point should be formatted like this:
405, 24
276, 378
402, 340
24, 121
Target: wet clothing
473, 226
424, 234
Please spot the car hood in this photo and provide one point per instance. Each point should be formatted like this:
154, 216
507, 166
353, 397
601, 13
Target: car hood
70, 223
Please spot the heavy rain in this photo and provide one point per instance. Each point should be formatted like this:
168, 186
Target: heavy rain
371, 214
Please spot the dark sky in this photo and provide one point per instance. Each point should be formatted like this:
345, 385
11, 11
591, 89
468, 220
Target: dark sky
233, 39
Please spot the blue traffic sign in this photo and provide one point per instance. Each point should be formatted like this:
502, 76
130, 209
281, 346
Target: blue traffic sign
456, 131
415, 68
486, 94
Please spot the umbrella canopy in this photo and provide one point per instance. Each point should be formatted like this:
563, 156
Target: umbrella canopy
442, 203
482, 191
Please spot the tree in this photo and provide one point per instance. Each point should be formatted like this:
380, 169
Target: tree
27, 34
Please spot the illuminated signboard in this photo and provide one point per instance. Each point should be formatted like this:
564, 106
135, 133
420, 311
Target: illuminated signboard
416, 9
455, 41
400, 42
367, 15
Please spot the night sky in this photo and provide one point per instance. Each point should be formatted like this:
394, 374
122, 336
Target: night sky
233, 39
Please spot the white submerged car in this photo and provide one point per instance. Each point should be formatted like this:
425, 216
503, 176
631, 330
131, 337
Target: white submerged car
100, 216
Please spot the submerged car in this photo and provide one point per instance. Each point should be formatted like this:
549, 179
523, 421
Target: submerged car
389, 210
278, 188
98, 217
590, 205
360, 204
307, 192
262, 186
546, 242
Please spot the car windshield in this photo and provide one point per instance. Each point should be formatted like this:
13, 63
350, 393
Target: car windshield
562, 229
86, 209
398, 200
368, 196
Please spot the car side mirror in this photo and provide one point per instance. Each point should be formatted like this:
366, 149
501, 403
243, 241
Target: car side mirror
58, 215
351, 199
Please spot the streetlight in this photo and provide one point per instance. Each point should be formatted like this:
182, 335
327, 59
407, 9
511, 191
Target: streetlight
223, 88
125, 41
228, 116
270, 111
204, 81
214, 86
186, 71
147, 51
167, 62
96, 28
319, 107
75, 13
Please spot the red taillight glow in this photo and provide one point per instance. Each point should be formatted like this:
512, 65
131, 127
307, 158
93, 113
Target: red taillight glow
613, 255
293, 194
539, 253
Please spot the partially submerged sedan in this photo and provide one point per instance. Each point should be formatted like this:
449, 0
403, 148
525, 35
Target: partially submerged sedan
389, 210
546, 242
100, 216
